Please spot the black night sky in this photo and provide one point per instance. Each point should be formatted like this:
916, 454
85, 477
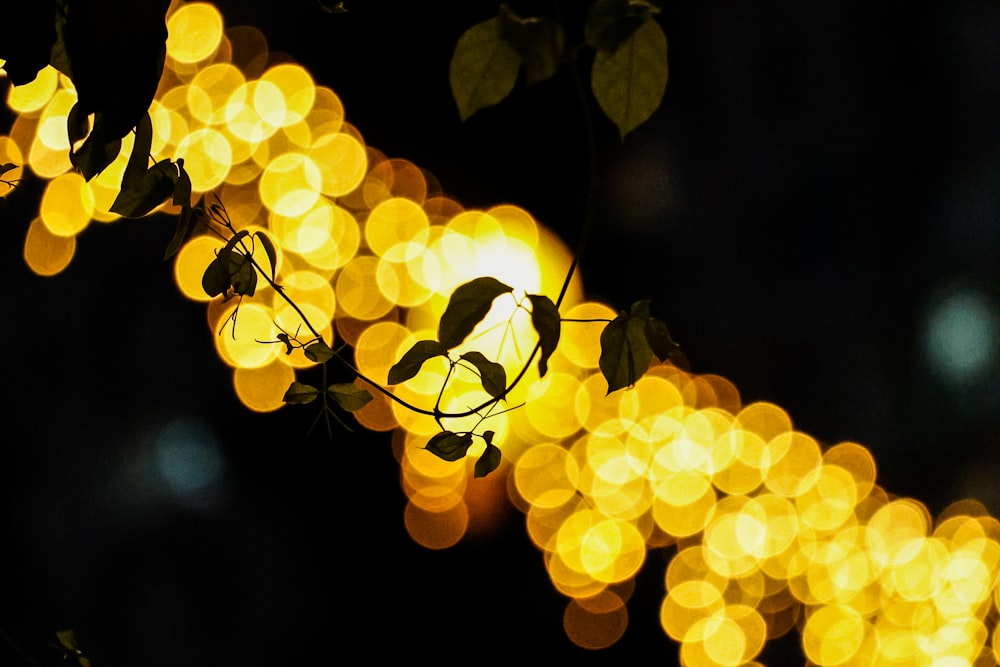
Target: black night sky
820, 186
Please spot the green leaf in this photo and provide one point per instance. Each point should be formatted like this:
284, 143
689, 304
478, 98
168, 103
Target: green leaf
318, 352
629, 82
483, 68
138, 198
349, 397
272, 255
300, 393
625, 352
659, 339
468, 305
492, 374
414, 358
215, 280
545, 318
449, 446
539, 42
488, 461
611, 22
138, 160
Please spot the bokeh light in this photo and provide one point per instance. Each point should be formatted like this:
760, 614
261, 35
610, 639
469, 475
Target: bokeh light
772, 532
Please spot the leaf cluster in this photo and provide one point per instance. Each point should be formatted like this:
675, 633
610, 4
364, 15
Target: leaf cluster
628, 74
467, 307
114, 52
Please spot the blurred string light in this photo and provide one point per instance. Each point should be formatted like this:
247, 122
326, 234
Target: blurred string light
771, 532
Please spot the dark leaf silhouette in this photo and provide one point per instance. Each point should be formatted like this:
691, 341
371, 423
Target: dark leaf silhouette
151, 189
272, 255
545, 319
468, 305
414, 359
625, 352
318, 352
488, 461
349, 397
300, 393
138, 160
449, 446
492, 374
215, 279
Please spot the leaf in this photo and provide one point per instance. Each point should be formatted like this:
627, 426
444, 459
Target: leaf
7, 166
227, 249
77, 124
300, 393
242, 275
468, 305
272, 255
659, 339
138, 161
67, 639
138, 198
629, 82
349, 397
410, 364
449, 446
488, 461
611, 22
318, 352
492, 374
545, 318
96, 152
539, 42
483, 68
182, 197
215, 280
625, 352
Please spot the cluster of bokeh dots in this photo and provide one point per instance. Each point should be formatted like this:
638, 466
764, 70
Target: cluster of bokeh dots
771, 532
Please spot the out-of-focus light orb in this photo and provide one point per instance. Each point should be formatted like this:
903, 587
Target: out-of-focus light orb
34, 95
67, 205
190, 463
262, 389
45, 253
962, 335
207, 156
194, 32
297, 89
290, 184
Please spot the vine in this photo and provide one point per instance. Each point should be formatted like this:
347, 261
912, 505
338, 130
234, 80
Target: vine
628, 78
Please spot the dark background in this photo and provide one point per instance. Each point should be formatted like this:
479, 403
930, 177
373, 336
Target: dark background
818, 174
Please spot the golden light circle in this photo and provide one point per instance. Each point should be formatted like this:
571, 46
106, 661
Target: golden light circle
194, 32
45, 253
290, 184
